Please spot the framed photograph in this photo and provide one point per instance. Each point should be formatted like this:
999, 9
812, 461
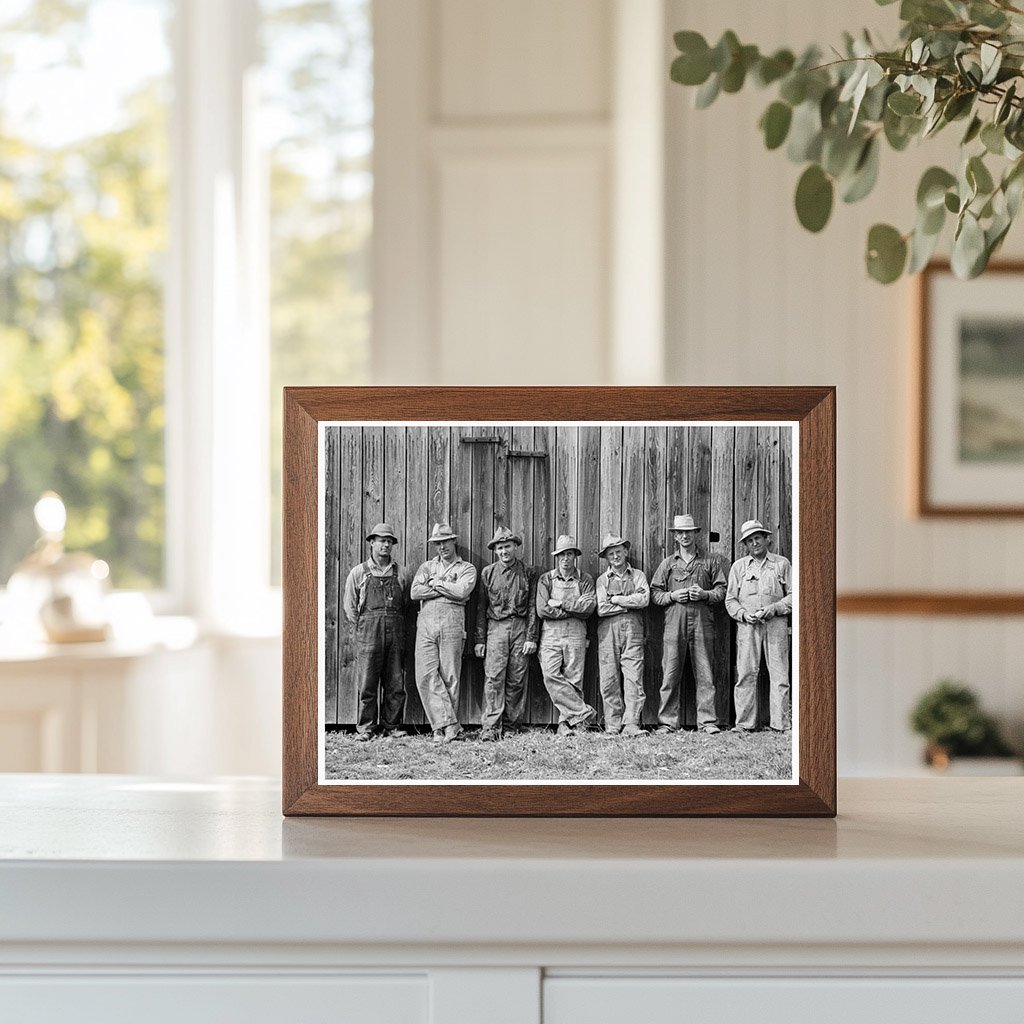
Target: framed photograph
970, 444
559, 601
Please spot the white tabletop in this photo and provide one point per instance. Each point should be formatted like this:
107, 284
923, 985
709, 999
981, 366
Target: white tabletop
81, 858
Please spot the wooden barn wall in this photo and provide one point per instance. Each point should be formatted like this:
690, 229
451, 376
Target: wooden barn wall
626, 479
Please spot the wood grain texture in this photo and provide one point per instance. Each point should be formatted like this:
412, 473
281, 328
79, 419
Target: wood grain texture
560, 495
949, 605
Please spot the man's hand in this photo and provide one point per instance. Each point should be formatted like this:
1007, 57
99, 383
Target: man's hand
480, 650
680, 596
529, 647
615, 599
697, 594
554, 603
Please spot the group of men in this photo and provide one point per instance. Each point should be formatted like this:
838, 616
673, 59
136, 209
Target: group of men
521, 612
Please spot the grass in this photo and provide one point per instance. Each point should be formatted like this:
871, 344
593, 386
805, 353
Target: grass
540, 754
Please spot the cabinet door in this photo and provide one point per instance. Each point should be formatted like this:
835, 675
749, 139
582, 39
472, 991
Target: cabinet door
654, 1000
202, 999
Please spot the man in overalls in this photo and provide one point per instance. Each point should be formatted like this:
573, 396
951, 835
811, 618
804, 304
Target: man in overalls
376, 602
688, 585
507, 628
760, 599
622, 594
443, 585
566, 598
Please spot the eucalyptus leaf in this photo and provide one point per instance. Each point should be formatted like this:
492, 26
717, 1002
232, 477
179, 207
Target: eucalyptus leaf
952, 202
972, 132
805, 133
775, 124
987, 15
794, 88
707, 93
724, 51
903, 103
968, 247
865, 173
771, 69
991, 60
1004, 106
993, 138
978, 176
922, 248
931, 190
814, 195
886, 253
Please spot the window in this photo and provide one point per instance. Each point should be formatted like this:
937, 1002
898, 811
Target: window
83, 237
317, 118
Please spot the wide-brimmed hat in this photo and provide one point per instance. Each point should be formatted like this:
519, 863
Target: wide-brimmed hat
566, 543
684, 523
752, 526
383, 530
441, 531
610, 541
502, 534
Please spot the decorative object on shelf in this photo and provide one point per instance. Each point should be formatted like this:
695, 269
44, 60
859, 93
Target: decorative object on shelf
58, 594
970, 388
956, 61
452, 553
950, 717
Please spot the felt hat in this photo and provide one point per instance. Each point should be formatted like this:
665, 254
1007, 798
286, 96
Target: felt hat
441, 531
684, 523
752, 526
502, 534
383, 530
566, 543
610, 541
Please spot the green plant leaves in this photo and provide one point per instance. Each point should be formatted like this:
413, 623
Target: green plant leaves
956, 60
814, 195
775, 122
693, 65
887, 253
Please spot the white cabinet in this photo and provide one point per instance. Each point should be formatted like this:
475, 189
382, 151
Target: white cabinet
128, 896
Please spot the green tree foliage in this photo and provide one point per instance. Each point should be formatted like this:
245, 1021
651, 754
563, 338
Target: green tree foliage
957, 61
82, 230
950, 716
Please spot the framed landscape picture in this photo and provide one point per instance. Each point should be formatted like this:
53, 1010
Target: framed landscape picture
559, 601
970, 445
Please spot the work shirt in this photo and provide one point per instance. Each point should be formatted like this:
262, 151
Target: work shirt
458, 577
630, 584
575, 591
676, 573
507, 592
356, 582
754, 585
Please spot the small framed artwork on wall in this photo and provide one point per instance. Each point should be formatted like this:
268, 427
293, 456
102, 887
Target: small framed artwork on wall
559, 601
970, 421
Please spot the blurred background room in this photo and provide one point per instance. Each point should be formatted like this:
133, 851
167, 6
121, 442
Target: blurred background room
202, 201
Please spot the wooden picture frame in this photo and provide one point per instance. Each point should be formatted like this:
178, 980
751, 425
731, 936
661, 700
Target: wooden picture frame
808, 413
958, 471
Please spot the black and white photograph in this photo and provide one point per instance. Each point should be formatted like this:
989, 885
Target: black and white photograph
571, 602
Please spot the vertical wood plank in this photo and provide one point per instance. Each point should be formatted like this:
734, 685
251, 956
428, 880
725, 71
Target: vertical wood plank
502, 482
416, 463
482, 518
352, 547
566, 480
721, 521
633, 484
521, 493
588, 500
786, 491
699, 480
464, 497
745, 463
648, 552
540, 709
588, 523
373, 477
395, 483
611, 478
333, 583
677, 499
768, 480
439, 472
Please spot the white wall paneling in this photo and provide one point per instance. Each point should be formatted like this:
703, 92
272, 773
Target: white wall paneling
752, 297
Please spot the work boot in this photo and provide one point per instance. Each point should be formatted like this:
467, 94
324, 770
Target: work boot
363, 737
564, 729
710, 729
451, 733
632, 730
488, 736
398, 733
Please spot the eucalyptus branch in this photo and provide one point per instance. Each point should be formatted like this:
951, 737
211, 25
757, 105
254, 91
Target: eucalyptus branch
833, 117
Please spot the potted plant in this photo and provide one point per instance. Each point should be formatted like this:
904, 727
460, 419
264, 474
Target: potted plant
950, 718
